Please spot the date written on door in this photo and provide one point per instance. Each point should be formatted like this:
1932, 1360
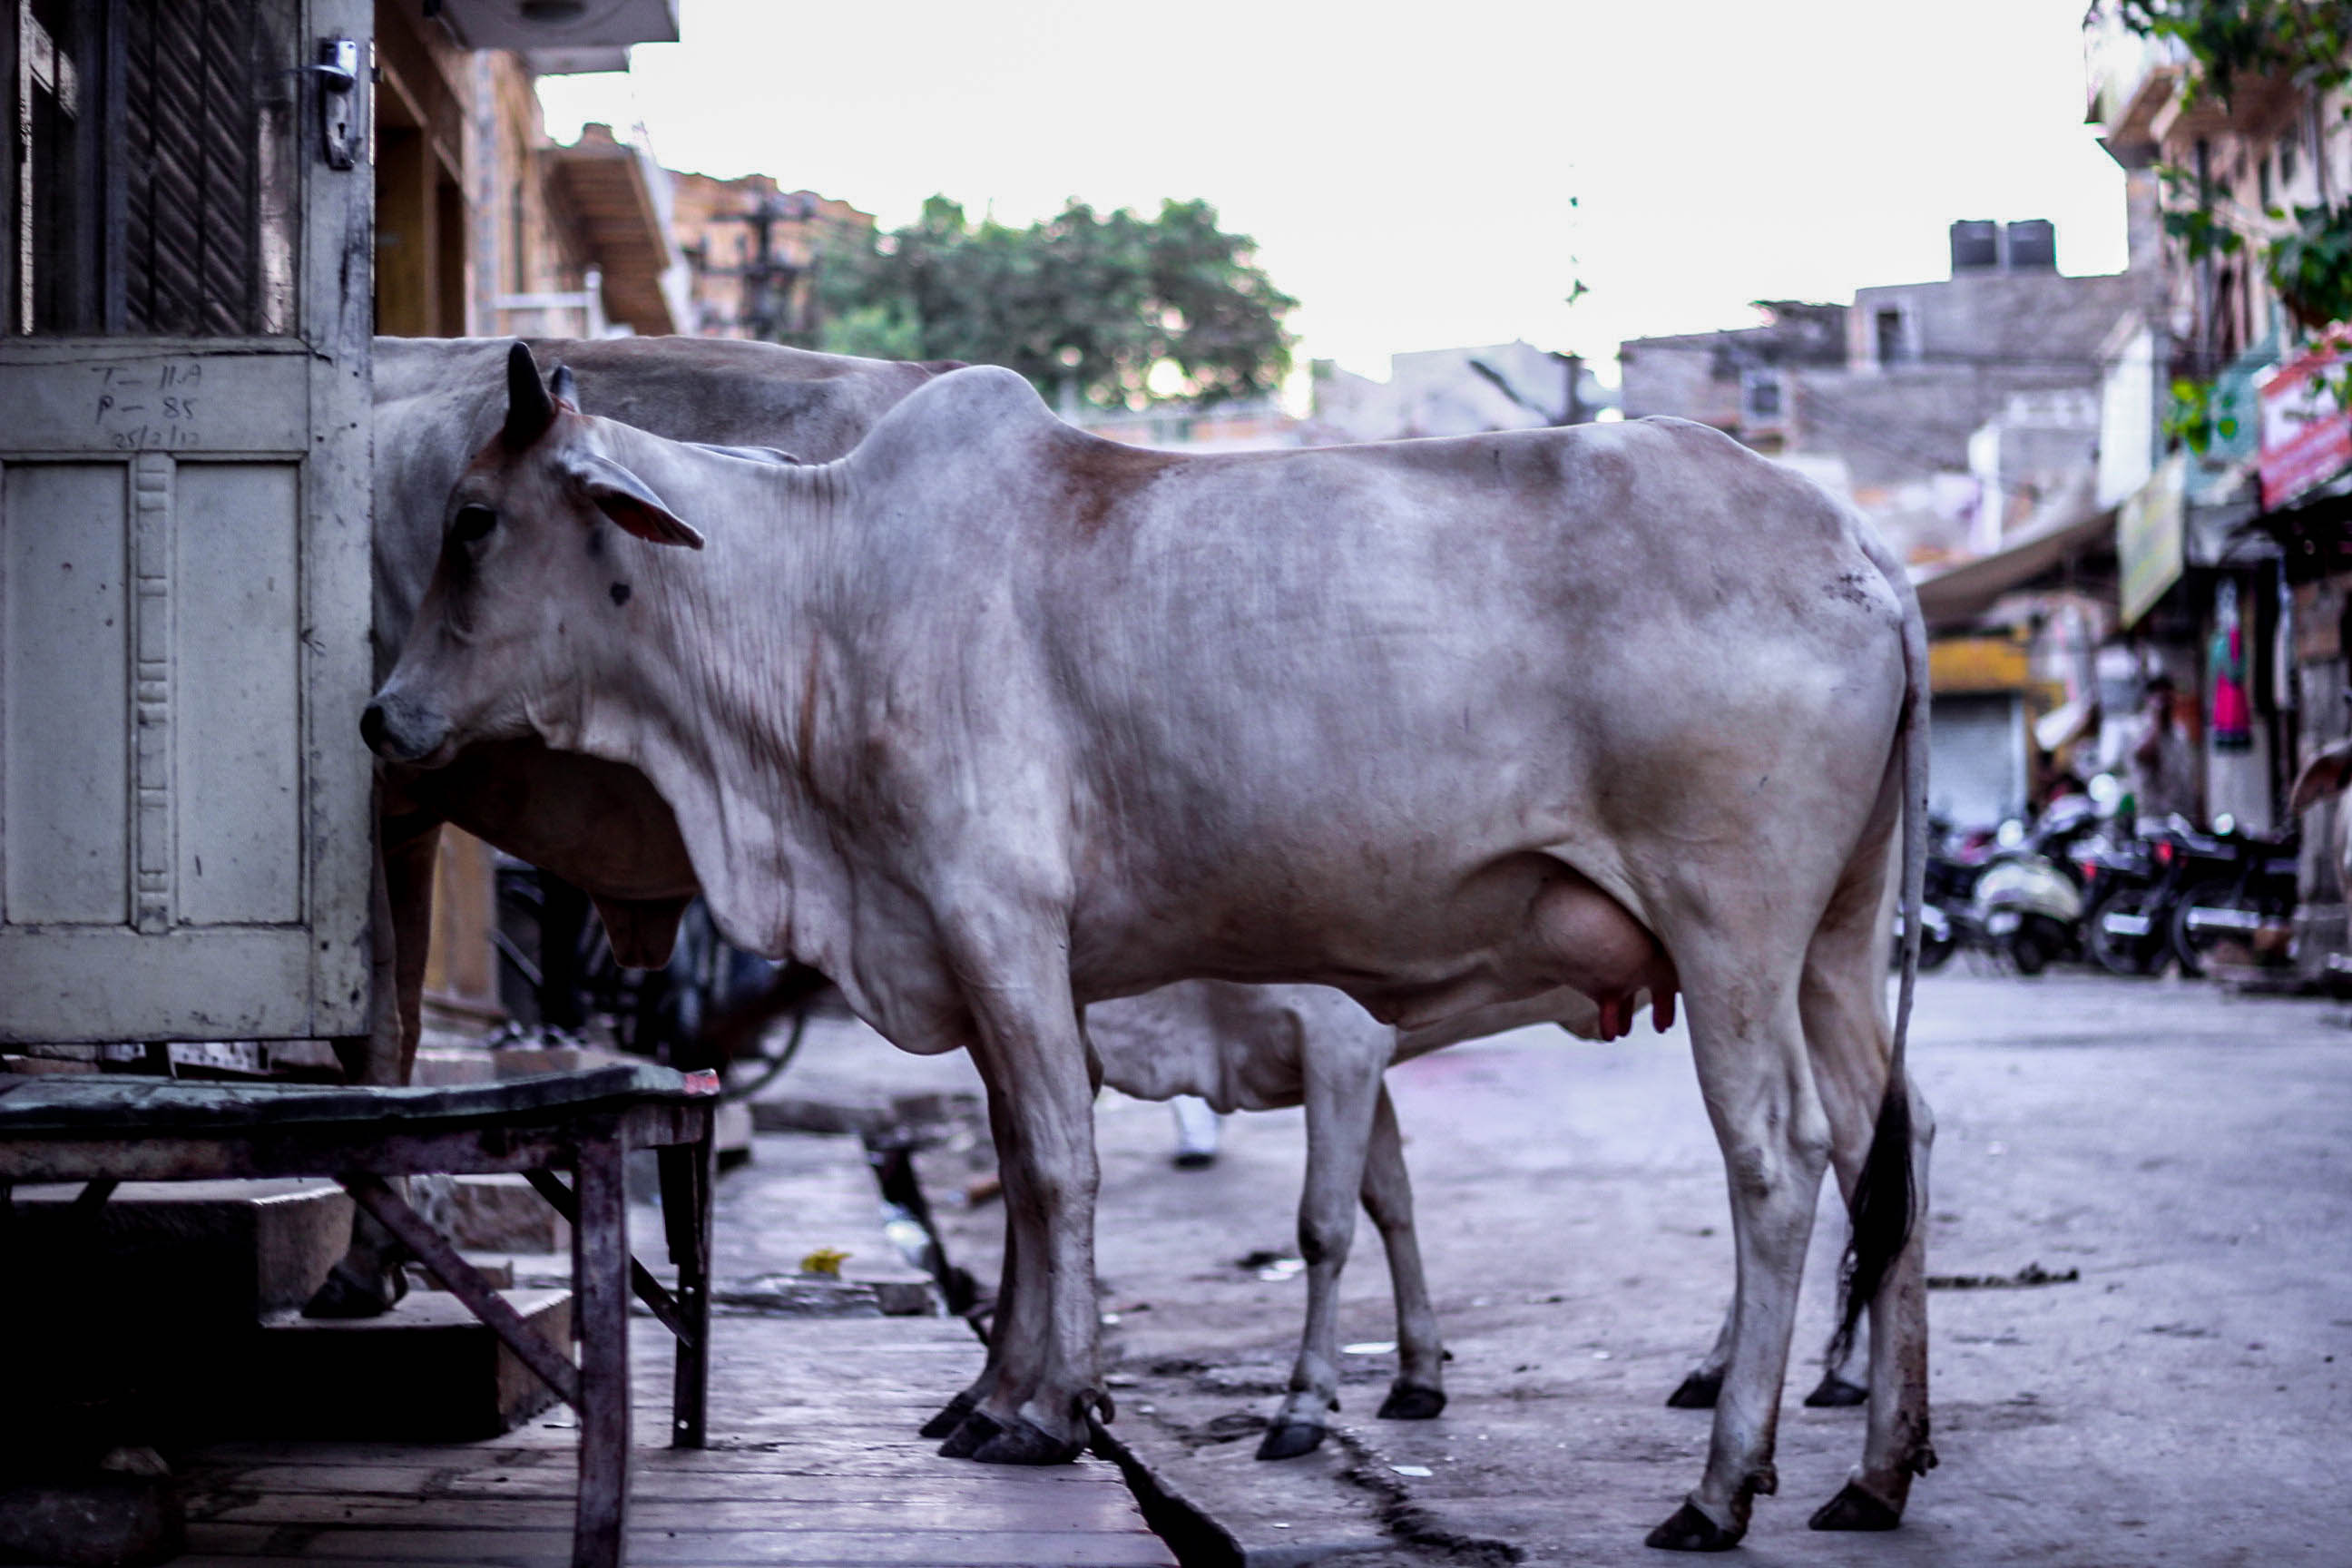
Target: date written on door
149, 406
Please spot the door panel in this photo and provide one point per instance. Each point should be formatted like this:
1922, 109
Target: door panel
184, 803
64, 642
237, 741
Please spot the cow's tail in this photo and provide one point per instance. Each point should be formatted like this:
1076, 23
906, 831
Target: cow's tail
1885, 1200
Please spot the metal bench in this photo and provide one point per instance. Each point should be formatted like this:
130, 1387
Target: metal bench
103, 1131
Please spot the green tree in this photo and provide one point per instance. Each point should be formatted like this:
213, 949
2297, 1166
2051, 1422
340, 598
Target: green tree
1103, 301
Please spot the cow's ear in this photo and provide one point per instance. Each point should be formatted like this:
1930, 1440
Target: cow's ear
2323, 778
629, 501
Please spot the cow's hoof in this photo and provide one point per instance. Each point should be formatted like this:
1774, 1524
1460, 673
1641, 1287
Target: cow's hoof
1854, 1509
349, 1293
1409, 1401
1697, 1393
971, 1433
1288, 1439
949, 1419
1691, 1531
1026, 1443
1836, 1393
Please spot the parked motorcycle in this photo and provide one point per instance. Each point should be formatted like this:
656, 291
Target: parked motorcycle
2127, 930
2245, 898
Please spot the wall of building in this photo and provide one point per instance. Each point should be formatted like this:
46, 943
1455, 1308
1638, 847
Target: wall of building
1456, 391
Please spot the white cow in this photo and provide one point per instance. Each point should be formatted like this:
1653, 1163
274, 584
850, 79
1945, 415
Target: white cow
1263, 1047
601, 826
990, 719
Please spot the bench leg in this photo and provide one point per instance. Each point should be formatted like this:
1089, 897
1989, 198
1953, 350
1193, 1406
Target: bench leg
600, 1251
686, 1181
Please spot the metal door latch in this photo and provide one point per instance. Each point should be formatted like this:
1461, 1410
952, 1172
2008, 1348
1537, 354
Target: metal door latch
337, 71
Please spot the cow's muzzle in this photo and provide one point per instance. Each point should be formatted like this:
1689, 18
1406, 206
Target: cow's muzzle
400, 732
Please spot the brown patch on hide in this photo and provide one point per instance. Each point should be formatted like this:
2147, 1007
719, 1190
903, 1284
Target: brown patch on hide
1097, 475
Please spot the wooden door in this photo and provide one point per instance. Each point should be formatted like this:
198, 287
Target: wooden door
184, 324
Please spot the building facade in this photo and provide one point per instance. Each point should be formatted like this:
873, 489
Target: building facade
1961, 415
752, 248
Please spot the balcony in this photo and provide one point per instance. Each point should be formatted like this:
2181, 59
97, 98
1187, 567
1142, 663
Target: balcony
2132, 80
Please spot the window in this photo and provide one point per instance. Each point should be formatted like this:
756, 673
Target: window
1894, 344
151, 194
1760, 399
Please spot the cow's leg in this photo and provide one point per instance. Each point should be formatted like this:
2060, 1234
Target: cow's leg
1836, 1390
1749, 1041
367, 1280
1848, 1034
950, 1417
965, 1437
1839, 1388
1340, 1097
1698, 1390
1016, 981
1419, 1392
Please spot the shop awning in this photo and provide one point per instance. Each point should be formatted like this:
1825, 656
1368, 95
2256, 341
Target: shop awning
1955, 595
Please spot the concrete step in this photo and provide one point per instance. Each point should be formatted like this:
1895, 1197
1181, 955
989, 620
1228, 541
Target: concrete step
223, 1252
428, 1370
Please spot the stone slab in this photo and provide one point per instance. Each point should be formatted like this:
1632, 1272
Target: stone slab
496, 1213
429, 1371
231, 1250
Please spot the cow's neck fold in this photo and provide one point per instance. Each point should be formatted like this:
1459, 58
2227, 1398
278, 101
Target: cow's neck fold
714, 666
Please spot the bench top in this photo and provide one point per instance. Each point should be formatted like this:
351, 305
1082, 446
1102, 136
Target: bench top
117, 1105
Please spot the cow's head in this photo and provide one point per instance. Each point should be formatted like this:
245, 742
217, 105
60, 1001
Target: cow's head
532, 591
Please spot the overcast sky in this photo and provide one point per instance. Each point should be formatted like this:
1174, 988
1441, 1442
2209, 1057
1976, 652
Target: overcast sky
1409, 176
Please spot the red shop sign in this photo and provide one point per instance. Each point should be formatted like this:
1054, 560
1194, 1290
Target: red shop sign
2307, 431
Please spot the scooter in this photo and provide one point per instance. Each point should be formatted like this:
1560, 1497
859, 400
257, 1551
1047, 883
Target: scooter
2028, 903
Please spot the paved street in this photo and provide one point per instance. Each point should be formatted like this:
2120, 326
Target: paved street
2179, 1403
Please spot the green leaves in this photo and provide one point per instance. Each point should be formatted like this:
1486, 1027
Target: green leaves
2311, 266
2308, 41
2309, 44
2199, 414
1128, 310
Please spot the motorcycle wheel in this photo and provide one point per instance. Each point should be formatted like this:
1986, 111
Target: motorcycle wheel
2190, 947
1933, 954
2025, 951
2127, 956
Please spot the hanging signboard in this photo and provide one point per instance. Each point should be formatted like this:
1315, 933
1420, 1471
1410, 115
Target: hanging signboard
2306, 431
2148, 543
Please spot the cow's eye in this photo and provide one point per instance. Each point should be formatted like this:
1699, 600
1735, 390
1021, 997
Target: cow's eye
472, 522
